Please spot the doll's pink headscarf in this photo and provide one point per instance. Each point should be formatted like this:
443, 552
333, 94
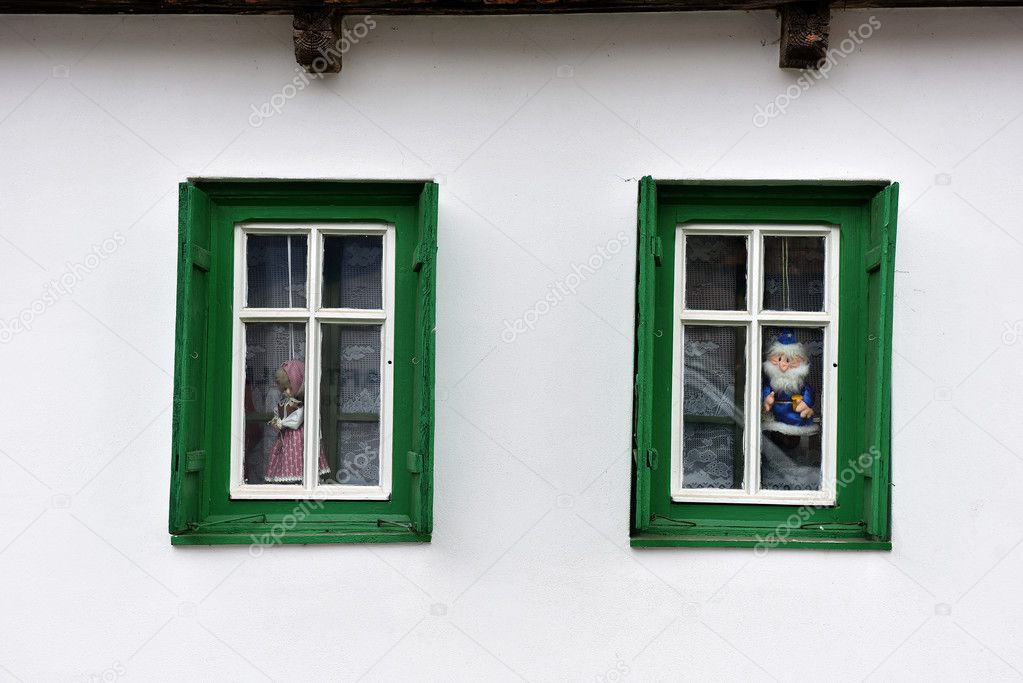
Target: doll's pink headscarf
295, 370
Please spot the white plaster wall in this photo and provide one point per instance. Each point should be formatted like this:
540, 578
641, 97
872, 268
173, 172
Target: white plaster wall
537, 129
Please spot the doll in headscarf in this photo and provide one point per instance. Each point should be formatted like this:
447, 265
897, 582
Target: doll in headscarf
285, 464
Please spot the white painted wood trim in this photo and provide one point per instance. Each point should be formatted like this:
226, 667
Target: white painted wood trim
314, 317
751, 431
753, 319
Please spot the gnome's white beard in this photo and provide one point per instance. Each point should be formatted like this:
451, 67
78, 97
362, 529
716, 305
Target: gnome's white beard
791, 381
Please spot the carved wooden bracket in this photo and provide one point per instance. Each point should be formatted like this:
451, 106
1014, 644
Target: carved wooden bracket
804, 34
318, 37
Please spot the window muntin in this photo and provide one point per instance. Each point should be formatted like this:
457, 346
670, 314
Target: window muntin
346, 345
719, 451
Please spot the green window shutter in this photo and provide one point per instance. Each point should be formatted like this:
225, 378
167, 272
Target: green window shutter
879, 264
190, 440
643, 455
420, 462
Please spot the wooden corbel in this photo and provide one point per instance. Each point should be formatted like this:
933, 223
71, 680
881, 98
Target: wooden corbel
804, 34
318, 40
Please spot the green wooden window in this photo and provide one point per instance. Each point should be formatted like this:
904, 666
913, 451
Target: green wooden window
304, 307
728, 273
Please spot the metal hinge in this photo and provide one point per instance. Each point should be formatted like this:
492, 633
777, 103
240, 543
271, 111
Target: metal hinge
837, 526
651, 458
672, 520
259, 517
414, 462
656, 249
887, 209
199, 256
195, 461
423, 253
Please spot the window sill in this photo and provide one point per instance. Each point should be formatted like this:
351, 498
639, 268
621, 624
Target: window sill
292, 529
722, 541
297, 537
763, 498
312, 496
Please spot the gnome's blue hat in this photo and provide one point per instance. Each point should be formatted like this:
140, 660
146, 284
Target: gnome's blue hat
787, 336
788, 344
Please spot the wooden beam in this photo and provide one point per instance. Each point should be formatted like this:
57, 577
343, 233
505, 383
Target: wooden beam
318, 36
804, 35
349, 7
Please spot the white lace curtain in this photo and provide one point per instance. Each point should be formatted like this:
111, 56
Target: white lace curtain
715, 358
351, 354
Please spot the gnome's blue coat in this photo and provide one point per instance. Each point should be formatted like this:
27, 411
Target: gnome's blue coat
782, 408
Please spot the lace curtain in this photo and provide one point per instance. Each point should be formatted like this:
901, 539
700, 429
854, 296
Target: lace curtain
267, 346
713, 420
715, 272
350, 363
794, 273
715, 359
351, 402
276, 271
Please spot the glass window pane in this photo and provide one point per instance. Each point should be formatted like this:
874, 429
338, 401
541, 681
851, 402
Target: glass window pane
713, 385
791, 408
352, 271
274, 390
350, 402
794, 273
276, 267
715, 274
359, 454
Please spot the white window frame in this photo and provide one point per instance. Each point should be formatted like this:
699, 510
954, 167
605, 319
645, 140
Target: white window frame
313, 316
752, 320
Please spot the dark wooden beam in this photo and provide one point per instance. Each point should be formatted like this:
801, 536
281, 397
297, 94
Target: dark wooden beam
804, 35
349, 7
318, 38
318, 31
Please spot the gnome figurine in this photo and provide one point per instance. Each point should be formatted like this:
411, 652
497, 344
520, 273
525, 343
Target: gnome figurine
787, 400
